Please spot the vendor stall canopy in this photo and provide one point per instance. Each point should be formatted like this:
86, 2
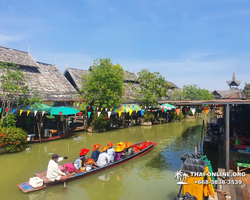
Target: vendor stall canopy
63, 111
168, 106
36, 107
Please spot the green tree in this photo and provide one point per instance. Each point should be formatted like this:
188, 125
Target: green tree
103, 85
15, 90
246, 90
192, 92
178, 95
152, 87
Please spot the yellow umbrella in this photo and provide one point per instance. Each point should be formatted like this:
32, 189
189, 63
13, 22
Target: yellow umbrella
124, 109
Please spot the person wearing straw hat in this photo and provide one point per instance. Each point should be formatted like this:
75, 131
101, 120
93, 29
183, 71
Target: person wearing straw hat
119, 151
95, 153
129, 151
103, 158
90, 164
81, 160
111, 151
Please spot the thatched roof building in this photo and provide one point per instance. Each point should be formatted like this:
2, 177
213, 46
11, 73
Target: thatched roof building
48, 79
74, 76
130, 81
232, 93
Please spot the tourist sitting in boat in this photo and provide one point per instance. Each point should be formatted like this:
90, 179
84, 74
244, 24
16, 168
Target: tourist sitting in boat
90, 164
129, 151
95, 152
53, 171
79, 163
119, 151
103, 158
111, 151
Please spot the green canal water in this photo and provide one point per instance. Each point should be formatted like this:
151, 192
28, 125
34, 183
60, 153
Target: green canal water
148, 177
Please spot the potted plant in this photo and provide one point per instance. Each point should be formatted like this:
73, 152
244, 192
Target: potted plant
147, 119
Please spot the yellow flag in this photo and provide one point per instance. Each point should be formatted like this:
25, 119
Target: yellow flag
130, 112
74, 104
136, 111
21, 112
101, 109
119, 113
80, 104
141, 106
28, 112
111, 109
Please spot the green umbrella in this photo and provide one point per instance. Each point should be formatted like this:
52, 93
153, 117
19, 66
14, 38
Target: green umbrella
63, 110
168, 106
35, 107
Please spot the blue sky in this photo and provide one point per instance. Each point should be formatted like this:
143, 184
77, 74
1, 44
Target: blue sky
188, 42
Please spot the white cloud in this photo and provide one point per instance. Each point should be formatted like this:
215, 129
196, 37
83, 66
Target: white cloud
5, 39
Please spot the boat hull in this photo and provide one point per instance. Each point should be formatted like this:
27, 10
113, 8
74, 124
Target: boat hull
25, 187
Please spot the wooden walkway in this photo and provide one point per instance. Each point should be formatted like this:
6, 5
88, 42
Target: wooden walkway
232, 192
237, 192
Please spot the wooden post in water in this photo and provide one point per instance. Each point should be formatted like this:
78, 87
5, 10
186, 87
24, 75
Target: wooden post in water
227, 132
38, 128
201, 135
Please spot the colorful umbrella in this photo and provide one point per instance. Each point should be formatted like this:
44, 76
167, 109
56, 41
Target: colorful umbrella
168, 106
63, 110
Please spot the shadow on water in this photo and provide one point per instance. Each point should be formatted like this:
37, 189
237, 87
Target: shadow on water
169, 157
159, 162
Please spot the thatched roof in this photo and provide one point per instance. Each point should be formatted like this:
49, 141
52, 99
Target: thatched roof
47, 78
233, 83
229, 94
17, 57
130, 76
75, 76
172, 85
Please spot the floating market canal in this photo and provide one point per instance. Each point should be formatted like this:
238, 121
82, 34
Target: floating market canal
148, 177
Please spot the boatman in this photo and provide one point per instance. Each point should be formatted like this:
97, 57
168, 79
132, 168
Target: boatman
53, 171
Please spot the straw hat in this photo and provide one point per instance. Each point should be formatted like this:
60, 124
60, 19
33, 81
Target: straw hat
104, 149
96, 146
128, 144
90, 161
83, 152
110, 144
120, 147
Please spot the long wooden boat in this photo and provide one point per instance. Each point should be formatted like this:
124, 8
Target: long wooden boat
57, 137
140, 148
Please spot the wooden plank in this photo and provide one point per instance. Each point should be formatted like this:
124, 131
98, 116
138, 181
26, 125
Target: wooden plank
232, 192
220, 196
248, 189
238, 192
245, 194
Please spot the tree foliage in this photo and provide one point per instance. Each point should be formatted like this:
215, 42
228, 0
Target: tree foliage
103, 85
152, 87
247, 90
14, 89
192, 92
178, 95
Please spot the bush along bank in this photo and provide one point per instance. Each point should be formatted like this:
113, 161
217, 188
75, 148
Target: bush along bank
12, 139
